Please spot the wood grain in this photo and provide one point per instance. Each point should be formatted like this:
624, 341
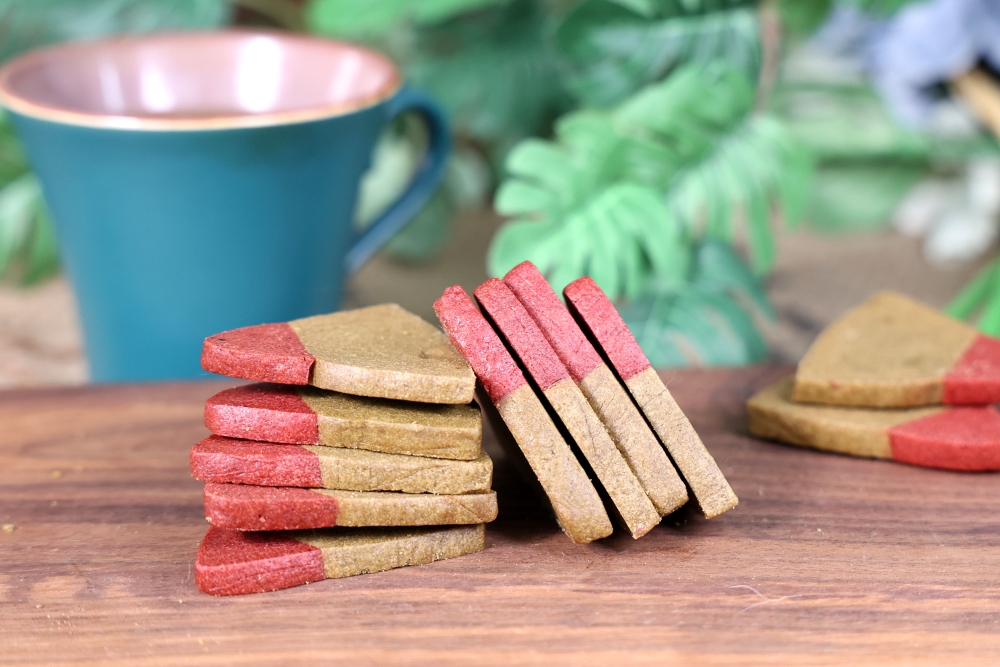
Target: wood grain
856, 562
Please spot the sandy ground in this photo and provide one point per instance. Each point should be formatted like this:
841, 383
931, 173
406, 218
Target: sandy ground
816, 279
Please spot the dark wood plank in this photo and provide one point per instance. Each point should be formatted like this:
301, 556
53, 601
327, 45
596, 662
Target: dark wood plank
826, 560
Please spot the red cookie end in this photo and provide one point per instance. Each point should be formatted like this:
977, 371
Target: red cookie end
231, 461
268, 412
975, 379
233, 563
596, 314
956, 439
555, 321
516, 325
240, 507
479, 343
264, 353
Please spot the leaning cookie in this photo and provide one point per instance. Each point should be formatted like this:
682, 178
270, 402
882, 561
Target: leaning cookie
310, 416
892, 352
380, 351
230, 461
960, 438
241, 507
231, 562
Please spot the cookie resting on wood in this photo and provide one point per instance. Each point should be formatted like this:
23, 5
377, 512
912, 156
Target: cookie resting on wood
892, 352
231, 562
515, 325
630, 432
310, 416
380, 351
575, 502
230, 461
241, 507
593, 311
959, 438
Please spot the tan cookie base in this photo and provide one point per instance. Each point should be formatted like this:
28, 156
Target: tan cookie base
636, 442
709, 485
383, 508
385, 352
396, 427
358, 470
590, 435
346, 553
888, 352
577, 506
854, 431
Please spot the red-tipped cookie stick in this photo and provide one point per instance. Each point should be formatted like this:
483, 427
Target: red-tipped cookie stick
596, 315
577, 506
229, 461
380, 351
309, 416
514, 323
960, 438
231, 562
241, 507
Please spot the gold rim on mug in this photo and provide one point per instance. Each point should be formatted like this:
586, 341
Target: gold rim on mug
215, 120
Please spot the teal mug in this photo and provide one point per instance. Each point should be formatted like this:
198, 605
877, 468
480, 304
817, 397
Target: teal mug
200, 182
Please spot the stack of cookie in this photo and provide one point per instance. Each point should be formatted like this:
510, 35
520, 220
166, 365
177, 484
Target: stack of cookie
582, 404
891, 379
366, 422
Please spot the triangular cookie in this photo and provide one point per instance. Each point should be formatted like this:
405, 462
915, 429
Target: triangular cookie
232, 562
310, 416
963, 438
380, 351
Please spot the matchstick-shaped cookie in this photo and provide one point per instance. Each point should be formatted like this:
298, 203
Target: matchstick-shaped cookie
960, 438
515, 325
577, 506
380, 351
309, 416
241, 507
230, 461
628, 429
892, 352
597, 316
232, 562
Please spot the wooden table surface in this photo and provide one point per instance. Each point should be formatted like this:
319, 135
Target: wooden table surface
827, 560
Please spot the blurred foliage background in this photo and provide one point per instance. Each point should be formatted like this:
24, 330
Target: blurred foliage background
651, 144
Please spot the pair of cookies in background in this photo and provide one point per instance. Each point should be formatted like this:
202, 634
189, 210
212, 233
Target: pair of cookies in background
892, 379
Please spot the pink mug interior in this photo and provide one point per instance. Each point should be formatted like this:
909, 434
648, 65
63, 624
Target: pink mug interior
196, 80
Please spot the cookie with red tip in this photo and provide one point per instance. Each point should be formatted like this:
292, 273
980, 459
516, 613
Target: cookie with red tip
515, 325
591, 311
575, 502
893, 352
230, 461
231, 562
959, 438
310, 416
241, 507
380, 351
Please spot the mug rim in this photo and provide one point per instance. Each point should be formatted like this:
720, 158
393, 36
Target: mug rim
19, 104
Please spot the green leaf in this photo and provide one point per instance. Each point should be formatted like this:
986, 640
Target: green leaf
613, 50
973, 295
27, 243
350, 18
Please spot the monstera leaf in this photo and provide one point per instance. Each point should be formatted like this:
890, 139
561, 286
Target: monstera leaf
701, 320
613, 49
618, 194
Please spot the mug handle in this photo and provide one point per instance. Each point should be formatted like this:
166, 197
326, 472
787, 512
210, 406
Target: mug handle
420, 189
